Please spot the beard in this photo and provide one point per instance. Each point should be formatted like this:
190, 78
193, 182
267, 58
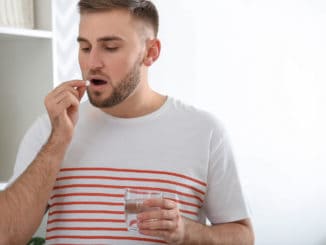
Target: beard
125, 87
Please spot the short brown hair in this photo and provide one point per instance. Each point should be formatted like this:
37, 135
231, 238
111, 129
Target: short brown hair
144, 10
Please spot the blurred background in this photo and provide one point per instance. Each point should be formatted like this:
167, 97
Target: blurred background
258, 65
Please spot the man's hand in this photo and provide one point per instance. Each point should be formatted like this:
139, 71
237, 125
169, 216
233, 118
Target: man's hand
23, 204
168, 224
62, 105
165, 222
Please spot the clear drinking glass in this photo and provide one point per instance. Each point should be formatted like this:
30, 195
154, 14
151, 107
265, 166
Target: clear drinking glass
134, 199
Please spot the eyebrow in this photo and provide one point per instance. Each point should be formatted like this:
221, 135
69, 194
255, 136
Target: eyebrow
101, 39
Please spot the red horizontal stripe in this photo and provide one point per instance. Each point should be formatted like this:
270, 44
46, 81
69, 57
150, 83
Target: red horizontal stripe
125, 187
120, 196
135, 171
86, 212
87, 194
86, 229
188, 212
184, 203
133, 179
87, 203
86, 220
64, 244
107, 237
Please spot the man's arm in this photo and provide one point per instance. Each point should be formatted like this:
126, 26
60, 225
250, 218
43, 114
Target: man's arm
23, 204
238, 233
168, 224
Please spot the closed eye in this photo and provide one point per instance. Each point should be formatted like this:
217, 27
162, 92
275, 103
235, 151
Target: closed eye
111, 49
85, 49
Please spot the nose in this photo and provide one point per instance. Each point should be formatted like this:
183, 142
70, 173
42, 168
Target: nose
95, 60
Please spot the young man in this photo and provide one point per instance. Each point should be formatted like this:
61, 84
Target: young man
127, 135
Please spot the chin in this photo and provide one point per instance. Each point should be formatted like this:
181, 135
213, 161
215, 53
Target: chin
104, 103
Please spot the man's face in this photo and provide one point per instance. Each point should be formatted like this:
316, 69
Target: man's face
110, 55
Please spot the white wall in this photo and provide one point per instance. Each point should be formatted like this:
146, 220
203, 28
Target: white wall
19, 104
259, 65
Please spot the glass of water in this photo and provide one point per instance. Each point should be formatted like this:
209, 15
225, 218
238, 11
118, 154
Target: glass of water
134, 199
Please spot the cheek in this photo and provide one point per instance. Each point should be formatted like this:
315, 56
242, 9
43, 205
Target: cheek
119, 67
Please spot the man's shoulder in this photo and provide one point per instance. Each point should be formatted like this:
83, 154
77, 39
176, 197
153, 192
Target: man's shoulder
195, 114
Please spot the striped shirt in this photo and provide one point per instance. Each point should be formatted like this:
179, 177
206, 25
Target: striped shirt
178, 150
92, 200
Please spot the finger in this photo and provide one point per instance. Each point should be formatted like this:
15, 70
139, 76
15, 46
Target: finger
155, 233
59, 91
64, 94
70, 85
81, 92
74, 83
62, 103
157, 225
68, 100
78, 90
52, 101
161, 214
161, 203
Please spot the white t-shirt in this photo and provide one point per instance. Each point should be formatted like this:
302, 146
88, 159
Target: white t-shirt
179, 150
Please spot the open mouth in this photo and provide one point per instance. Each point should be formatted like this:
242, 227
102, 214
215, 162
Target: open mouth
98, 82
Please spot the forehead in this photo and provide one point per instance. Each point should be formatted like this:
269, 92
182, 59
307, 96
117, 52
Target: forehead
116, 22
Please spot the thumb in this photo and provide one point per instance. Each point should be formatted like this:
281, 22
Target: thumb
81, 91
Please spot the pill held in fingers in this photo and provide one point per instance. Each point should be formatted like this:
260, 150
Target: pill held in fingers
88, 83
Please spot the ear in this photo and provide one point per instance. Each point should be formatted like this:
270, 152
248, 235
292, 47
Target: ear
153, 48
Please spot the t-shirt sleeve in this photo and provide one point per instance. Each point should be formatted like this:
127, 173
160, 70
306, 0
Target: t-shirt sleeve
225, 201
30, 145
